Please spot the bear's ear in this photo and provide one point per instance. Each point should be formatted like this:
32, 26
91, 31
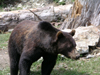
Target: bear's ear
59, 35
72, 32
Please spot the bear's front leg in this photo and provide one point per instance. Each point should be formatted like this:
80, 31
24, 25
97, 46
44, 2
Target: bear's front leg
24, 66
48, 63
26, 60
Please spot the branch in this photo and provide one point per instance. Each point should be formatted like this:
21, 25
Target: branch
36, 15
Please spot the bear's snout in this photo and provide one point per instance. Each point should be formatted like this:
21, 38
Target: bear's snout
74, 54
77, 57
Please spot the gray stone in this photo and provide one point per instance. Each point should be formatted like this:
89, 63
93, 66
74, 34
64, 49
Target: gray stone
10, 30
98, 54
90, 56
19, 5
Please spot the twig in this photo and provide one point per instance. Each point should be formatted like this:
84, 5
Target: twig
36, 15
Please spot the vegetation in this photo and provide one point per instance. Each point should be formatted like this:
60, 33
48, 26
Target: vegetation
60, 3
64, 66
4, 40
73, 0
63, 2
70, 67
67, 67
2, 2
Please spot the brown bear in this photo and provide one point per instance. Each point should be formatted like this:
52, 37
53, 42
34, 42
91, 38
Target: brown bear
31, 40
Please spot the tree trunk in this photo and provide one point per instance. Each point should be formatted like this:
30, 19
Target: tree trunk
83, 13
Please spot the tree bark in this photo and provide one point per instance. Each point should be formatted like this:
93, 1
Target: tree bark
83, 13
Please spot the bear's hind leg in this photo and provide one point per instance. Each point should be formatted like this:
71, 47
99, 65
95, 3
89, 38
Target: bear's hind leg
14, 61
48, 63
26, 60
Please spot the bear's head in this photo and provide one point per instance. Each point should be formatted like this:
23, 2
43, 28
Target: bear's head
66, 44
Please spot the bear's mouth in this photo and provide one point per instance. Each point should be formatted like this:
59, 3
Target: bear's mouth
74, 56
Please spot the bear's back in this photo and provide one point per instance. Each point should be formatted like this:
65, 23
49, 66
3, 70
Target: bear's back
46, 26
32, 32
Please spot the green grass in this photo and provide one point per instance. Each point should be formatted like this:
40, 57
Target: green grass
1, 9
4, 40
64, 66
70, 67
67, 67
5, 71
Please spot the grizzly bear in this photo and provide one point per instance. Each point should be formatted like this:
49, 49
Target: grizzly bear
31, 40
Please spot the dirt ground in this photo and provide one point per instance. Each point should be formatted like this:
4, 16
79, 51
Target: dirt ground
4, 59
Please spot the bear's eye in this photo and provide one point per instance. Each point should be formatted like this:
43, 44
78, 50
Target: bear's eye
68, 45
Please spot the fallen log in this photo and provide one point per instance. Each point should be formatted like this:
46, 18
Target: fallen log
50, 14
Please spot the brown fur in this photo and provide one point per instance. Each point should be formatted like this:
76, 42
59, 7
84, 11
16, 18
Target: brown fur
30, 40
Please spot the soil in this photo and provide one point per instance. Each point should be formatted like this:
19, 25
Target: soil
5, 59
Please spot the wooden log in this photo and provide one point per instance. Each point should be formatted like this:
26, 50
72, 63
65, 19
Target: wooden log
50, 14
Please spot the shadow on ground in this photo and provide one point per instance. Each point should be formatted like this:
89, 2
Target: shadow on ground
61, 72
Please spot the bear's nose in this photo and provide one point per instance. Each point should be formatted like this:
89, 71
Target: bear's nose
77, 57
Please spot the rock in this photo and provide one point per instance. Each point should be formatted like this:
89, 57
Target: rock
90, 56
98, 54
7, 9
13, 8
19, 5
24, 0
10, 30
40, 59
61, 0
82, 49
